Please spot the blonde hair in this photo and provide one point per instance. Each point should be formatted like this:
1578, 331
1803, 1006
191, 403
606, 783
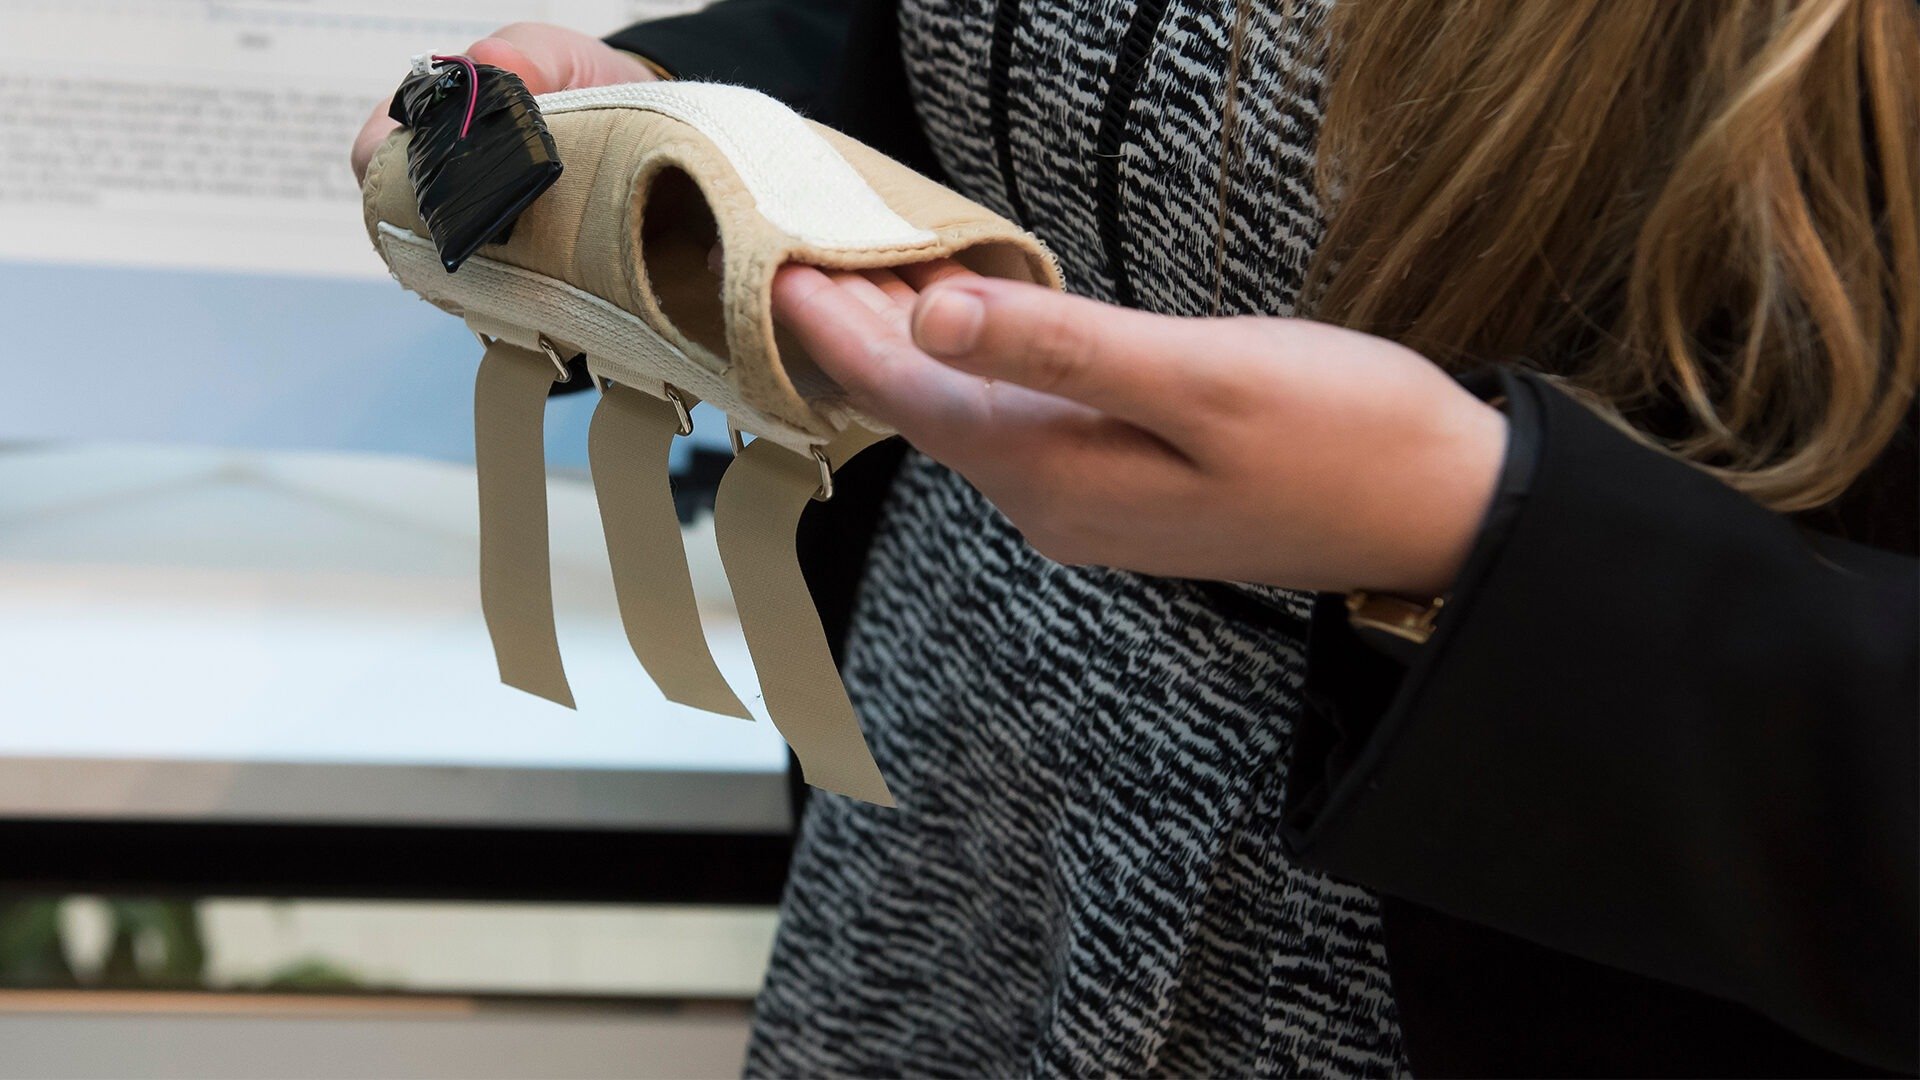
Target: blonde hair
1700, 215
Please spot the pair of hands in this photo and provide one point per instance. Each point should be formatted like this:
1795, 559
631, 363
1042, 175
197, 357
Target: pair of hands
1266, 450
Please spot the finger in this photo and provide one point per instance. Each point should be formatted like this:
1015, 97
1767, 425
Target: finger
924, 276
873, 361
367, 143
947, 413
561, 59
1035, 455
500, 52
858, 286
902, 294
1139, 367
863, 289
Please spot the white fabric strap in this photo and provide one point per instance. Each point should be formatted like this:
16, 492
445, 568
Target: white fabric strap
799, 182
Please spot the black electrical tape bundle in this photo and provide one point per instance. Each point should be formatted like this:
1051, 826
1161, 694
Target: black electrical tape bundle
473, 186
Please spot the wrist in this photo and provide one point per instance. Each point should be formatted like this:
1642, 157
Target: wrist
1447, 498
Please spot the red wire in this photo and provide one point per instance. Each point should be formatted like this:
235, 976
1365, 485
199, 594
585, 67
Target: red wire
473, 87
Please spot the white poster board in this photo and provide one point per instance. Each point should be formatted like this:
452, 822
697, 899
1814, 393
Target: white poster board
237, 550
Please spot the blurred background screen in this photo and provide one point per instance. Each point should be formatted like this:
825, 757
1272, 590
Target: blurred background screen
237, 519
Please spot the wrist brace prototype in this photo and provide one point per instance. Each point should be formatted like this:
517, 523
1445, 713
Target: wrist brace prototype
612, 264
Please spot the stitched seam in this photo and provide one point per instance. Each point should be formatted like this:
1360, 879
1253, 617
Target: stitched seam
608, 333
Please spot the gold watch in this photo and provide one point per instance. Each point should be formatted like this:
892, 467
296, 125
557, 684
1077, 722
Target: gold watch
1404, 618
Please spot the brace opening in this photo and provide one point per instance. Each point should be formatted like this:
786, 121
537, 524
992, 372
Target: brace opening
677, 232
995, 258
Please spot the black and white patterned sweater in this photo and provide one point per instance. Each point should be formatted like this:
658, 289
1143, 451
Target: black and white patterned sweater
1084, 875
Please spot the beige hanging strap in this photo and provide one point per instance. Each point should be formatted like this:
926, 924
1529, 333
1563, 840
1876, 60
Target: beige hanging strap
627, 446
516, 575
755, 517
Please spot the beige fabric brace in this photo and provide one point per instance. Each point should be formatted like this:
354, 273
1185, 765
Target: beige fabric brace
516, 574
627, 445
611, 263
756, 515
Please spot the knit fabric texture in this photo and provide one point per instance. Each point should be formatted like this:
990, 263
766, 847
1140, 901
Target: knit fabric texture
1084, 874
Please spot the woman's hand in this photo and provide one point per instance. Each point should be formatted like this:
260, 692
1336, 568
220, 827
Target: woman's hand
547, 58
1278, 451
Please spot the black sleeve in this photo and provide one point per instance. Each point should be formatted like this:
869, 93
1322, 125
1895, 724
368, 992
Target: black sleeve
1657, 727
789, 49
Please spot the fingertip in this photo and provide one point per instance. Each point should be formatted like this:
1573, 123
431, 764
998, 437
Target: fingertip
367, 144
504, 54
924, 276
793, 285
999, 298
948, 319
891, 283
496, 51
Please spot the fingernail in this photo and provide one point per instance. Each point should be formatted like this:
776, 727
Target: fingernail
948, 321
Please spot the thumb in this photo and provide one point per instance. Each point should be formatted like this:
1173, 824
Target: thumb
1129, 364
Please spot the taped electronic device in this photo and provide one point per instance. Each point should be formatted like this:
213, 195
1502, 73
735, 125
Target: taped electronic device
612, 264
479, 155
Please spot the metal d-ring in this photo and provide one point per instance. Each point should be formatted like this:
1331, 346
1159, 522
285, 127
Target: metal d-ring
553, 354
680, 411
825, 491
